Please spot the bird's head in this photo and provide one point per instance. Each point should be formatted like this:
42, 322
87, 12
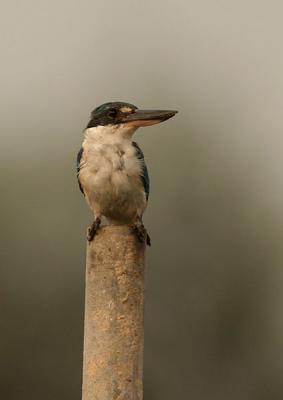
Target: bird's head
124, 118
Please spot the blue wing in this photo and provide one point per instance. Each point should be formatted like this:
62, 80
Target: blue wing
144, 176
79, 156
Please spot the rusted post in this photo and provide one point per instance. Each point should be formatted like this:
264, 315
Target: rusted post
114, 308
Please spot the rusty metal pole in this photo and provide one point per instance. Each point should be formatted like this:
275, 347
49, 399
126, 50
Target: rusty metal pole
114, 309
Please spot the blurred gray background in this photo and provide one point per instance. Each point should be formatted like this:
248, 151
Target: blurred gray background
214, 324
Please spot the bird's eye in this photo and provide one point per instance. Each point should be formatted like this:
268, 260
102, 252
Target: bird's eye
112, 113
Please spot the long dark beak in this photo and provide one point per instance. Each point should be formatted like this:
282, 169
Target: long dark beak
147, 117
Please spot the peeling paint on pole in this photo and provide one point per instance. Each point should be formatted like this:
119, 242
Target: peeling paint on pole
114, 316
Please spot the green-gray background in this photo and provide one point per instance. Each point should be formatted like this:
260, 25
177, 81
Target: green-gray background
214, 325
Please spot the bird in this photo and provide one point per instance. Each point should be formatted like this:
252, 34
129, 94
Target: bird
111, 169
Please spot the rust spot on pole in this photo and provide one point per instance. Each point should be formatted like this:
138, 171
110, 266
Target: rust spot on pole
114, 308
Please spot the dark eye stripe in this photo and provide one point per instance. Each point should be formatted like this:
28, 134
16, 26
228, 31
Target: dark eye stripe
112, 113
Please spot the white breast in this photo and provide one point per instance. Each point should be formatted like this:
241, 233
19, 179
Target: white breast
110, 175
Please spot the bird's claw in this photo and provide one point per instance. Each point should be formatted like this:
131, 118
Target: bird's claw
141, 233
92, 229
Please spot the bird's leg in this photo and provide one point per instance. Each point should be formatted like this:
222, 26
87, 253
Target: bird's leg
141, 232
92, 229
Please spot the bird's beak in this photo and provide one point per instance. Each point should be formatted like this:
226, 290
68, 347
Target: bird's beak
147, 117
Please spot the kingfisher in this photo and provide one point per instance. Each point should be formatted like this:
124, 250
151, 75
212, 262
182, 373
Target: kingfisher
111, 169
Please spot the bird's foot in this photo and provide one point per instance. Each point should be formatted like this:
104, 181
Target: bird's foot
141, 233
92, 229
